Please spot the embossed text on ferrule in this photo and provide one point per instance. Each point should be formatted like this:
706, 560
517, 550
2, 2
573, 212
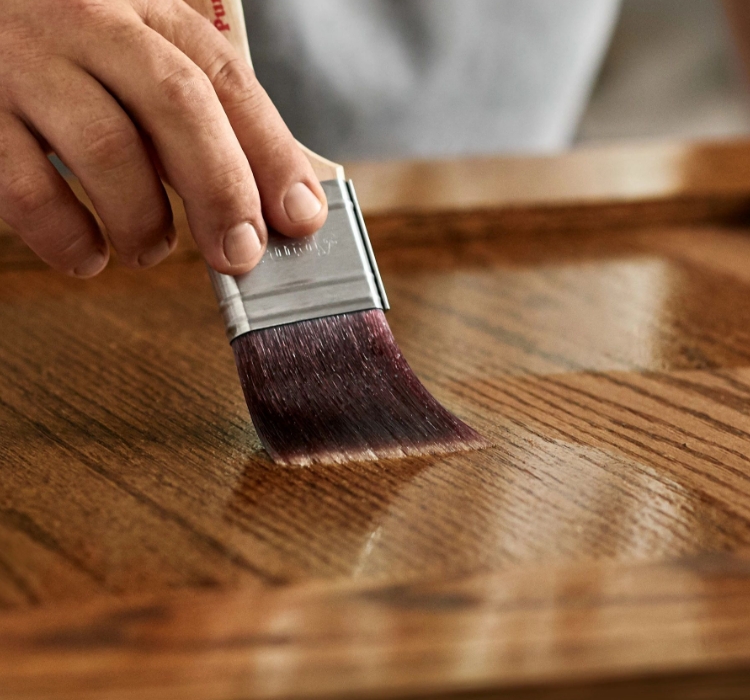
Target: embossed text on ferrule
298, 249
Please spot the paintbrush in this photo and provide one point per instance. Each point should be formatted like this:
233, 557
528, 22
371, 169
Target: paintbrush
323, 377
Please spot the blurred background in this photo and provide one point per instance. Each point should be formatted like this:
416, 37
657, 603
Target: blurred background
672, 71
379, 79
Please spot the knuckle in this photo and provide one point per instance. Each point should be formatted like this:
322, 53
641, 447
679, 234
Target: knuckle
279, 147
28, 195
233, 78
92, 12
185, 88
108, 142
225, 186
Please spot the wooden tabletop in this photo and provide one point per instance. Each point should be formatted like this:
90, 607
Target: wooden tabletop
589, 313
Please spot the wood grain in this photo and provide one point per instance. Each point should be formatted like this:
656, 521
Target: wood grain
527, 633
149, 549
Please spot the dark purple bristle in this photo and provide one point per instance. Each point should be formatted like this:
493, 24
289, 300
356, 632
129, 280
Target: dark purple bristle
338, 389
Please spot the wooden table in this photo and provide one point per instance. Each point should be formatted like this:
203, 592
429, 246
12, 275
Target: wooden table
588, 313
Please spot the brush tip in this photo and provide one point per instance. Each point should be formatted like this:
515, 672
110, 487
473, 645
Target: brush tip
337, 389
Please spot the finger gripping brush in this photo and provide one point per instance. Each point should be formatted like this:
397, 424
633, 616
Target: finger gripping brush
323, 377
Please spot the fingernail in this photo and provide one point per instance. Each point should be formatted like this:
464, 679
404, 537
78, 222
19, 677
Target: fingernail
242, 245
301, 204
92, 265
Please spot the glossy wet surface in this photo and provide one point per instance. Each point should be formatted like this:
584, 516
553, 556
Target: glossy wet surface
610, 369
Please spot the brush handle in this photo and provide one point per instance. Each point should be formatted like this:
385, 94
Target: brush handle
229, 18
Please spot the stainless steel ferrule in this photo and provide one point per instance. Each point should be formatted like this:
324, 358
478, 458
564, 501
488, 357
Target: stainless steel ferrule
331, 272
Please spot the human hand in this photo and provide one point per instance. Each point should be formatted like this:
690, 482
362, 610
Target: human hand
120, 89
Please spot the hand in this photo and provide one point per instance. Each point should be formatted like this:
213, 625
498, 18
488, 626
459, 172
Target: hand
119, 89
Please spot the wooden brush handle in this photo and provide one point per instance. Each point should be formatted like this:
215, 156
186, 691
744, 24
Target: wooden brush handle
229, 18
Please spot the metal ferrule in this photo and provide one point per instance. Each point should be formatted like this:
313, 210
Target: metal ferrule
331, 272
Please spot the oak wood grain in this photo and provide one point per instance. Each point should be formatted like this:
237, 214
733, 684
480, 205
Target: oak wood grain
149, 549
528, 632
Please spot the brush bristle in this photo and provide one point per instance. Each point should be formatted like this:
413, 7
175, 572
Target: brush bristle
338, 389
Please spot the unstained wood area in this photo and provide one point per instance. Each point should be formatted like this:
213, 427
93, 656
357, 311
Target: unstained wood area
590, 314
